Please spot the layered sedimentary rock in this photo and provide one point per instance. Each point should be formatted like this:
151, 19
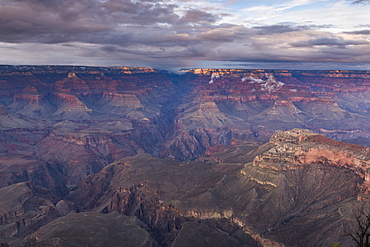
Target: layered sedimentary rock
80, 118
197, 110
70, 107
31, 103
60, 125
259, 195
25, 207
254, 104
300, 188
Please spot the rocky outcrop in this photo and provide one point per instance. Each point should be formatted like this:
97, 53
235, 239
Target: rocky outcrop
25, 207
198, 234
261, 191
333, 103
298, 148
71, 84
120, 99
13, 199
254, 193
77, 155
95, 229
303, 147
120, 104
70, 107
193, 143
31, 104
144, 198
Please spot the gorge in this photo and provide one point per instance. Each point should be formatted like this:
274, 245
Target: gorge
208, 157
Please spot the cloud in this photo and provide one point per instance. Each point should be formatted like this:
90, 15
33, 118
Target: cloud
110, 21
285, 28
47, 22
278, 28
140, 12
361, 1
164, 33
198, 17
366, 32
328, 42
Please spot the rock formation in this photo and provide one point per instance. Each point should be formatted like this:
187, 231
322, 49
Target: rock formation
264, 192
94, 229
254, 104
297, 189
190, 113
90, 138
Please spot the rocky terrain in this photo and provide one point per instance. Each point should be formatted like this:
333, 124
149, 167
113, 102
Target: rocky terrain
298, 189
64, 116
254, 104
204, 153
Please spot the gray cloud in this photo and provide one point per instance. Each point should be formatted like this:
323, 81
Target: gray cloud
161, 33
286, 28
48, 22
108, 22
198, 17
361, 1
366, 32
279, 28
142, 12
328, 42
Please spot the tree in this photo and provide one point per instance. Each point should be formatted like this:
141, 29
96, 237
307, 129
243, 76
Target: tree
361, 232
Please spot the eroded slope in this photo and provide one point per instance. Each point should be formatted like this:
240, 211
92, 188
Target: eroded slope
299, 189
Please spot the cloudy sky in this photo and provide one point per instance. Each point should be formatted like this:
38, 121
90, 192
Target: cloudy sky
292, 34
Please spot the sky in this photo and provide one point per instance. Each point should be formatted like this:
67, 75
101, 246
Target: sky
174, 34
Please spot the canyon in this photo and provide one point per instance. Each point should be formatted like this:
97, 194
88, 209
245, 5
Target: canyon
249, 157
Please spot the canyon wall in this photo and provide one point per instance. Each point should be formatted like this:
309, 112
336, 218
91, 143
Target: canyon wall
209, 146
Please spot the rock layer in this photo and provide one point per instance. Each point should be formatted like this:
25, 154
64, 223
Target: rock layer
262, 191
191, 113
63, 125
297, 189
